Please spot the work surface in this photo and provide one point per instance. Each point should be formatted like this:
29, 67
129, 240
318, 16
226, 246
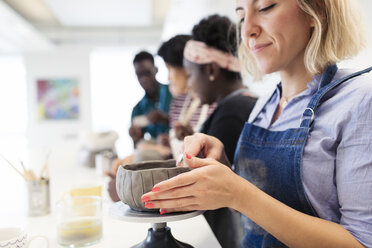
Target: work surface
67, 173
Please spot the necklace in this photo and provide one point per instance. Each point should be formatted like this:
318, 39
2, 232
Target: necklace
283, 102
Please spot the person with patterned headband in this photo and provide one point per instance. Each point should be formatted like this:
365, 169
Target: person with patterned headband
213, 72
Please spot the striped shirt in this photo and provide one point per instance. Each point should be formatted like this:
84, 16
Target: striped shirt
181, 103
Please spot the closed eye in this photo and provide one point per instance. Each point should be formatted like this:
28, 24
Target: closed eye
267, 8
240, 12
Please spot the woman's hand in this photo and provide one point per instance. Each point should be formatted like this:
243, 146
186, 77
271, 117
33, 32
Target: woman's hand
204, 146
211, 185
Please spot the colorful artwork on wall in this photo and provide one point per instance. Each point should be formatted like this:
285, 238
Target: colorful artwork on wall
58, 99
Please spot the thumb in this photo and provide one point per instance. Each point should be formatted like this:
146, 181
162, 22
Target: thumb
195, 162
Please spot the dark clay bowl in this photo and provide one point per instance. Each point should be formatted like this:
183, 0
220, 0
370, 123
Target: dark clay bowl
134, 180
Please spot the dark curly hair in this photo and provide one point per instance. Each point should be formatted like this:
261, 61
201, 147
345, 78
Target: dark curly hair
218, 32
143, 55
172, 50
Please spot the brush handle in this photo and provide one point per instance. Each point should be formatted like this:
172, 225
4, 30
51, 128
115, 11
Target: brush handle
20, 173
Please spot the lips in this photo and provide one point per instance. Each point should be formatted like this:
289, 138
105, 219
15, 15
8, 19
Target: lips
258, 47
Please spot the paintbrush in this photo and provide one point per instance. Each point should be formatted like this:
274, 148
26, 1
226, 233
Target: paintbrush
28, 174
19, 172
45, 168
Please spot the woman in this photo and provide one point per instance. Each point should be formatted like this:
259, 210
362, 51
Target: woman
213, 75
304, 155
186, 113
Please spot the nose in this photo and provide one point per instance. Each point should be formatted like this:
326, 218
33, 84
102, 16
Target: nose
250, 27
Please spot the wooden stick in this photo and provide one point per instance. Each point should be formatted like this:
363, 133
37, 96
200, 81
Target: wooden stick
20, 173
28, 174
45, 166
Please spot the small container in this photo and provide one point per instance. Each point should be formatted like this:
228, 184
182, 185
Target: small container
103, 161
79, 221
38, 192
15, 237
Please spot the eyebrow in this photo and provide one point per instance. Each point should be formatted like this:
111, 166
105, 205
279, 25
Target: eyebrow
241, 8
238, 8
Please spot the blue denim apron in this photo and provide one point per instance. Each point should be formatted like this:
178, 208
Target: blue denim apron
271, 160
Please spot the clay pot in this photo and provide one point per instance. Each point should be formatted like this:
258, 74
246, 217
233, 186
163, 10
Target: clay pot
134, 180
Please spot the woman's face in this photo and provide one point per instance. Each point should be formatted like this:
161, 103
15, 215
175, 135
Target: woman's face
177, 80
198, 82
275, 32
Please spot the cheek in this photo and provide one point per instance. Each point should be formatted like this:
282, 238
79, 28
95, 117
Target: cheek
172, 79
244, 36
172, 90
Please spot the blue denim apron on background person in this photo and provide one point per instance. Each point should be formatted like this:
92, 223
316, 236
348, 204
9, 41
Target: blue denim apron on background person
271, 160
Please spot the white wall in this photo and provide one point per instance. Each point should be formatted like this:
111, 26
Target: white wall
116, 90
45, 135
184, 14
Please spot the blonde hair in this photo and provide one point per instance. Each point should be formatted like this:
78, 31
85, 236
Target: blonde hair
338, 34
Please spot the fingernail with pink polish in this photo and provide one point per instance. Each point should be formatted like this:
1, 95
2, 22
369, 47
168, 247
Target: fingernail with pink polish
145, 199
149, 205
163, 212
155, 189
187, 155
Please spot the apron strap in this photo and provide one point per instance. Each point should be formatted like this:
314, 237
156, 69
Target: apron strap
325, 86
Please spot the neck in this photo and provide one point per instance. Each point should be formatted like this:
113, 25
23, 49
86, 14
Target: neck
228, 88
185, 88
154, 94
294, 81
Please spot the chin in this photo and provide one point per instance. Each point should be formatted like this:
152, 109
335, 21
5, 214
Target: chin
266, 68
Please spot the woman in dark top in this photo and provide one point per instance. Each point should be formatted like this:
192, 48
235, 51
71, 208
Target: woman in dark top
213, 74
227, 121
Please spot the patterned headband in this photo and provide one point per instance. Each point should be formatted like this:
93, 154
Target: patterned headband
198, 52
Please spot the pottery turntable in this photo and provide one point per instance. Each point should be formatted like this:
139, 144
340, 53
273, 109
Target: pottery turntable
159, 235
132, 180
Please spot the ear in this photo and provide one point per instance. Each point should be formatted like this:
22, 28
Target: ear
212, 70
156, 70
311, 21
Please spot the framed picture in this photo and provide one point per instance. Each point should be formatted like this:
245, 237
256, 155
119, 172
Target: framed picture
58, 99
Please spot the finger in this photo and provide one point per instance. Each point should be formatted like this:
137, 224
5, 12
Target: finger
202, 144
181, 180
195, 162
180, 192
179, 203
185, 209
193, 144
